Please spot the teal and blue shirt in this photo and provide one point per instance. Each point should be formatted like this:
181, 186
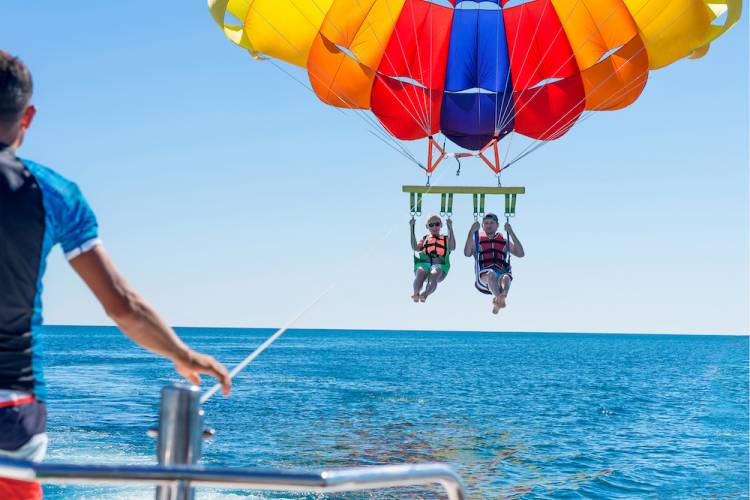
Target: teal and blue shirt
39, 209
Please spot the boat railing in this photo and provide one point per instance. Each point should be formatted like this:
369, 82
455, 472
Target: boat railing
180, 434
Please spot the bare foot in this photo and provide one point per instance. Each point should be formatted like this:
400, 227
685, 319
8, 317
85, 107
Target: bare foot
500, 300
422, 297
495, 307
415, 297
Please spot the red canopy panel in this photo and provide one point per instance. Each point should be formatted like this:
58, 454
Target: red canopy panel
408, 89
548, 90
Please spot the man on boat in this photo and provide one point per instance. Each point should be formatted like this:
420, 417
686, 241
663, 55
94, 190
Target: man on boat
39, 209
491, 252
433, 262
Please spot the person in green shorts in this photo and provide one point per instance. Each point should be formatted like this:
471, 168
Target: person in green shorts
432, 263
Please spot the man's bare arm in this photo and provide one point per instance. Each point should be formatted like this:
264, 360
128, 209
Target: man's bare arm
469, 246
515, 245
414, 245
139, 321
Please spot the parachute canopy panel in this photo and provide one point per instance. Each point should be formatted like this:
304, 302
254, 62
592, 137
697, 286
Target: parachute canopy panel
476, 70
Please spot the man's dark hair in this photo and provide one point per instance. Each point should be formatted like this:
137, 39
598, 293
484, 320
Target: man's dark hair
491, 216
16, 88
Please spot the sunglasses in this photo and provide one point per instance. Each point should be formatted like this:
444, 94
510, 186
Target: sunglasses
434, 224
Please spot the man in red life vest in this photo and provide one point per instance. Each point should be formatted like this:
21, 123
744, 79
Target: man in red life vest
491, 251
433, 262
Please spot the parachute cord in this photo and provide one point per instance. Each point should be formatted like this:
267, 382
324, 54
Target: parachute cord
537, 144
532, 147
458, 172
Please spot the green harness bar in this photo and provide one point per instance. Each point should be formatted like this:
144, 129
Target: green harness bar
446, 198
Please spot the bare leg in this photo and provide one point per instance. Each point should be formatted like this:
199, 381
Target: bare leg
505, 288
436, 276
420, 276
493, 283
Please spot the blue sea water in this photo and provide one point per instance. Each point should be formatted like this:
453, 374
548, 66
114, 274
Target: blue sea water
518, 415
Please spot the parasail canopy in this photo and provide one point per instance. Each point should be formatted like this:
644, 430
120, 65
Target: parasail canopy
476, 71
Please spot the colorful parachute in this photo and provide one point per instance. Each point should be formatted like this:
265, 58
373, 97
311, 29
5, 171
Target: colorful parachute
476, 71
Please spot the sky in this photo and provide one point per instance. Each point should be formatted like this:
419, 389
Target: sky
229, 196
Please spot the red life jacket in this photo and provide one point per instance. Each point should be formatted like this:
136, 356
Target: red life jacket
493, 251
434, 246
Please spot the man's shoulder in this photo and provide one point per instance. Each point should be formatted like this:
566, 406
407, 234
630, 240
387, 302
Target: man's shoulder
52, 182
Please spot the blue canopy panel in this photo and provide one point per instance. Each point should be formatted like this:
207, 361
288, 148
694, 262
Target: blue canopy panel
478, 94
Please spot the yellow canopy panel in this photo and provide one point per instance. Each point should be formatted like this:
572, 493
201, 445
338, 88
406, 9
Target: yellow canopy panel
283, 29
671, 29
733, 11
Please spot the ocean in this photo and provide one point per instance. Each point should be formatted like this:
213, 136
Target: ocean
519, 415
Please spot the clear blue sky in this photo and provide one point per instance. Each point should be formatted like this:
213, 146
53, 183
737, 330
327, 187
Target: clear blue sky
230, 197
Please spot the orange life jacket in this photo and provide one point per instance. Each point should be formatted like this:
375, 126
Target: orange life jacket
434, 246
492, 251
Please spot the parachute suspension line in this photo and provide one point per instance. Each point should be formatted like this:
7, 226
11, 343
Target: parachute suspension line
528, 51
430, 73
508, 112
427, 115
560, 30
507, 149
422, 120
534, 146
508, 104
375, 125
417, 119
570, 58
497, 58
380, 136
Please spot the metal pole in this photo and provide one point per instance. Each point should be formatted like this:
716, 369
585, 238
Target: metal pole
180, 435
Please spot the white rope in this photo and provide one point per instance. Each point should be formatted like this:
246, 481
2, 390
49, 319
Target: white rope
249, 359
